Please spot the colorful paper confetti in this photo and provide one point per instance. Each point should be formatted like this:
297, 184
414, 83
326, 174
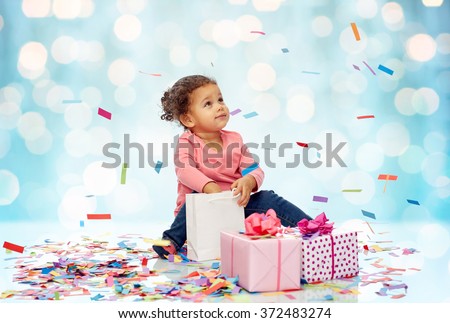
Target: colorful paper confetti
158, 166
368, 214
366, 116
385, 69
355, 31
322, 199
249, 169
13, 247
413, 202
123, 174
236, 111
104, 113
250, 115
99, 216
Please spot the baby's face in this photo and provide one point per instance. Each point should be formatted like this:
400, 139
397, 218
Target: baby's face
208, 109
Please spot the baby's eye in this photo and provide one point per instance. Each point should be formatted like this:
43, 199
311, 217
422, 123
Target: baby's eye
207, 104
221, 100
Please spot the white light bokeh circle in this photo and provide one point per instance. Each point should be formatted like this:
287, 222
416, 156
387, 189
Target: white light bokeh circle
129, 198
246, 24
322, 26
5, 143
99, 180
432, 3
78, 116
433, 167
369, 157
403, 101
77, 143
41, 144
36, 8
55, 97
99, 137
32, 59
421, 47
358, 180
127, 28
11, 93
393, 138
367, 8
75, 205
180, 55
356, 83
9, 115
91, 96
31, 125
131, 6
261, 76
300, 108
443, 43
206, 54
348, 42
2, 23
206, 30
10, 188
67, 9
62, 50
425, 101
121, 72
267, 5
411, 160
125, 96
267, 105
226, 33
435, 142
393, 16
433, 240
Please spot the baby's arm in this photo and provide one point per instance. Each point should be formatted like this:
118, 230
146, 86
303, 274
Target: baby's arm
187, 172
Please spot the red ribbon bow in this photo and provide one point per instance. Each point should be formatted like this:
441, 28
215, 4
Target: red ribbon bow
262, 224
317, 225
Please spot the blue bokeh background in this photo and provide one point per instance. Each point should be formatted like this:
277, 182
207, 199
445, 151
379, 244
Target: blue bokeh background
103, 53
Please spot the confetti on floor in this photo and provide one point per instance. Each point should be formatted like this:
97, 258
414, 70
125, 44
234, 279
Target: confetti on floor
118, 268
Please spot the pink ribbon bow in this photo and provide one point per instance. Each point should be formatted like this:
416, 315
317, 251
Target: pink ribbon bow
318, 225
262, 224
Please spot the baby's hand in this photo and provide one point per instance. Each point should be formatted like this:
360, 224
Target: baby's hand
211, 187
245, 186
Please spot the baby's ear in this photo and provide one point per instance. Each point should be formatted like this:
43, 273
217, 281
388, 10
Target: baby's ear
187, 120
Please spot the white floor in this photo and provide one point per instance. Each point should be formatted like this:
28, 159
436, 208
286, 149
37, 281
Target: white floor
426, 271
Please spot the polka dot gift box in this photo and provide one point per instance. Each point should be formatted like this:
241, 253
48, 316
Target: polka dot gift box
326, 256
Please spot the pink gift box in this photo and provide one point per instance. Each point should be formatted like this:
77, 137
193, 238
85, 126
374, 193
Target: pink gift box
262, 265
318, 262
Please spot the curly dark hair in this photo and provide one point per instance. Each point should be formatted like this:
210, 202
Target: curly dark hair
176, 99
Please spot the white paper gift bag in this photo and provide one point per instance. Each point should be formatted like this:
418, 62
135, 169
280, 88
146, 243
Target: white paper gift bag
206, 216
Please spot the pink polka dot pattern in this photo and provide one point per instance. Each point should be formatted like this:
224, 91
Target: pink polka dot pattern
317, 262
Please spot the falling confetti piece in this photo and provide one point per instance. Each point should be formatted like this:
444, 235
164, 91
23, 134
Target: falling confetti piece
356, 67
385, 69
302, 144
285, 50
250, 115
257, 32
71, 101
353, 190
413, 202
104, 113
152, 74
370, 68
13, 247
234, 112
158, 166
387, 177
99, 216
81, 223
368, 214
355, 31
366, 116
123, 175
309, 72
249, 169
322, 199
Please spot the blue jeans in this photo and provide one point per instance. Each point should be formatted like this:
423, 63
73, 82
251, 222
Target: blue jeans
260, 202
